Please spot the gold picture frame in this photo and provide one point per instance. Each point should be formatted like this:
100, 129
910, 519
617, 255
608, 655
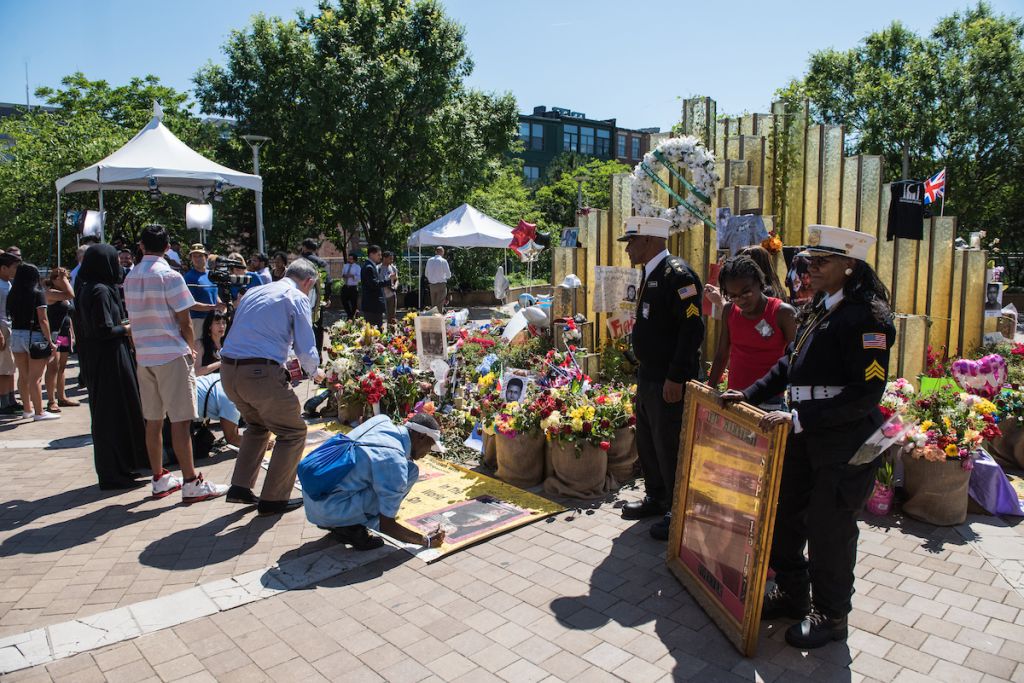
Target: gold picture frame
723, 516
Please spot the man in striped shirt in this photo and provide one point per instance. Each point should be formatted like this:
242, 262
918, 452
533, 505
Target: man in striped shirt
158, 303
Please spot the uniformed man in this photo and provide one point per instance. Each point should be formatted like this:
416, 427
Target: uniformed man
666, 339
835, 371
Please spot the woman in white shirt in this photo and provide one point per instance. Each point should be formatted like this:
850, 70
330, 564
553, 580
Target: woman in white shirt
350, 289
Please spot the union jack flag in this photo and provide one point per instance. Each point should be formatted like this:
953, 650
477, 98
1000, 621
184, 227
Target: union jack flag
935, 187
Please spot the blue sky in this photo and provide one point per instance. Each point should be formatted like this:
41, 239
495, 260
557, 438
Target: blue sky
629, 60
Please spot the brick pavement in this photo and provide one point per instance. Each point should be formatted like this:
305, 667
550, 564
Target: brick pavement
584, 596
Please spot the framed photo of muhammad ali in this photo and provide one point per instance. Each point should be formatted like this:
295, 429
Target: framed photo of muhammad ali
723, 516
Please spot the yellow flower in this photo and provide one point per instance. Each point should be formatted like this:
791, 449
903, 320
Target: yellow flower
926, 425
946, 421
551, 420
577, 425
984, 407
485, 381
952, 451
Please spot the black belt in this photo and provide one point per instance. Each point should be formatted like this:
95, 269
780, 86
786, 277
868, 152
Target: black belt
248, 361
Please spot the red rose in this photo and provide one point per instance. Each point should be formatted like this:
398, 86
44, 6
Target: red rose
605, 445
587, 427
605, 424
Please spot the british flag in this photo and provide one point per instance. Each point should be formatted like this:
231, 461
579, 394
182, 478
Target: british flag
935, 187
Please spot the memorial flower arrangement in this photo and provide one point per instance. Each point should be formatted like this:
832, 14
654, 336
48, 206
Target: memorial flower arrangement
686, 151
592, 416
897, 396
949, 425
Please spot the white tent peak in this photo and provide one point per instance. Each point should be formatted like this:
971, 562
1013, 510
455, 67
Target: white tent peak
155, 152
463, 226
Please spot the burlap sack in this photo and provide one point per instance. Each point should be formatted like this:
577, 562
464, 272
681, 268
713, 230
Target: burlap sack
1008, 449
936, 491
489, 457
349, 411
520, 461
577, 472
622, 457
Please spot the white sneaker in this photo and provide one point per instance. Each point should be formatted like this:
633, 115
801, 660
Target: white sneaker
199, 490
46, 416
28, 416
165, 485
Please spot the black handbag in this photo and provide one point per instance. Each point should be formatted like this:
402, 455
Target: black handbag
40, 349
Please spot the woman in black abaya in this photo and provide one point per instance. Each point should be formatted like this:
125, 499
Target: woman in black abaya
118, 433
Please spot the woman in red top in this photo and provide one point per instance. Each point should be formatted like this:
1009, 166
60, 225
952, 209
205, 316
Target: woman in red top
756, 330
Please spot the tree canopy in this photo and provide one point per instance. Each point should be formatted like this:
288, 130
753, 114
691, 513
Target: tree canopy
954, 98
372, 125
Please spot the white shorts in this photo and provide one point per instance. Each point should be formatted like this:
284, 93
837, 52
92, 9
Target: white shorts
7, 366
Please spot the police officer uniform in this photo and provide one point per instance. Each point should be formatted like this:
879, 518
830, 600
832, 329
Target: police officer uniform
834, 372
666, 339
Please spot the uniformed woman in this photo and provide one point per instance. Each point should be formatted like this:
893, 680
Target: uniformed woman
834, 373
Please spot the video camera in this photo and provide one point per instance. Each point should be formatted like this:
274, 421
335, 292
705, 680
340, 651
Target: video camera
225, 280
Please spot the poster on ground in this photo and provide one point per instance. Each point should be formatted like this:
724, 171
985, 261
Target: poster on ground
724, 511
431, 342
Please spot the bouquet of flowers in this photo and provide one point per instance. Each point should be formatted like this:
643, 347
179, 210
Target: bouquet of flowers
372, 387
949, 425
896, 398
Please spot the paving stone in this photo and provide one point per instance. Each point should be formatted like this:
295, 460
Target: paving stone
945, 649
991, 664
911, 657
954, 673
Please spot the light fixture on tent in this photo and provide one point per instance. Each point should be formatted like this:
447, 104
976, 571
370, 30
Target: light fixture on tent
154, 188
218, 191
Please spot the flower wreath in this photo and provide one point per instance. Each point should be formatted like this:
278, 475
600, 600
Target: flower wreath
690, 152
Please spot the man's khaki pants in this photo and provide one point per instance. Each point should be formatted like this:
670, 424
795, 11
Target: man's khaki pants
391, 303
438, 293
265, 399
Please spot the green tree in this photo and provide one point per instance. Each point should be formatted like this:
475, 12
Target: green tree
952, 99
372, 125
92, 120
555, 201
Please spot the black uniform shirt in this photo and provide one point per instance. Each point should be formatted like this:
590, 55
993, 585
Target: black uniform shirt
669, 329
848, 348
373, 289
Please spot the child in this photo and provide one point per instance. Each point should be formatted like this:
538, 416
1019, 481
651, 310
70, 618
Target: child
756, 330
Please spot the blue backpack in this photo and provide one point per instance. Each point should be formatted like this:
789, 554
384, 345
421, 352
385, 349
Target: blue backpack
321, 470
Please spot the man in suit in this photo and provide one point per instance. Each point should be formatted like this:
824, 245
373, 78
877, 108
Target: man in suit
372, 305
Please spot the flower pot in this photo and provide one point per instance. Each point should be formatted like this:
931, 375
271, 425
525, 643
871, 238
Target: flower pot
579, 469
489, 457
880, 502
520, 460
622, 456
936, 490
1008, 449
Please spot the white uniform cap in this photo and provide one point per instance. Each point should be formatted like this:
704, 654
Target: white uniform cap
640, 226
824, 240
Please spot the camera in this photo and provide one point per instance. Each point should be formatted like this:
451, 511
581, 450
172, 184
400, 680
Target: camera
229, 285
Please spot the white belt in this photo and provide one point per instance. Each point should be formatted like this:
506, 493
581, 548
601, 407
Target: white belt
798, 394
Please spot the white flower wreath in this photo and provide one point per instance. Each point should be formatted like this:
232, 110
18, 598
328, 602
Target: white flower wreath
692, 153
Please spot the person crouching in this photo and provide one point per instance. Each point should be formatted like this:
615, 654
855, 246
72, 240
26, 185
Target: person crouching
384, 472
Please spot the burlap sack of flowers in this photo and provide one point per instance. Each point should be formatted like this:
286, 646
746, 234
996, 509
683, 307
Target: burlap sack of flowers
349, 410
579, 469
622, 457
520, 460
936, 490
1008, 449
489, 457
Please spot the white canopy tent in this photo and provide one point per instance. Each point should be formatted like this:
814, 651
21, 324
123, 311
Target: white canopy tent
464, 226
155, 155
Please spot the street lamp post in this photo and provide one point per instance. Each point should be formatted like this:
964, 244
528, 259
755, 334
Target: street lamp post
579, 190
255, 142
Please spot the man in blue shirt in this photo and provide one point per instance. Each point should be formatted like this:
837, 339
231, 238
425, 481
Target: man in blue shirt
269, 321
202, 289
373, 490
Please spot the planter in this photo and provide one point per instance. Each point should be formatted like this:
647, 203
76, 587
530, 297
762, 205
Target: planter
349, 412
880, 502
622, 457
520, 460
489, 456
936, 491
1008, 449
579, 470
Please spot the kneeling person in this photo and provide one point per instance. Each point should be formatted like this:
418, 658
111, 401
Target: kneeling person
370, 494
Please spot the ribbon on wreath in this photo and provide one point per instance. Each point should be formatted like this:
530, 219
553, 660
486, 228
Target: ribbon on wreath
672, 193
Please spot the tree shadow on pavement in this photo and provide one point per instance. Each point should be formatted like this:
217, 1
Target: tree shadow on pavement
632, 588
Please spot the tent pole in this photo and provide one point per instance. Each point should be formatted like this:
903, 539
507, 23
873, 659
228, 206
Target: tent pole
419, 282
58, 229
103, 228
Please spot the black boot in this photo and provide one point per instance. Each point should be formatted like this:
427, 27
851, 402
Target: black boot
356, 536
638, 509
778, 604
816, 630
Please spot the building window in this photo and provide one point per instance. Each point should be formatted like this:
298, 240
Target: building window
532, 135
570, 138
621, 151
636, 148
604, 143
586, 140
537, 137
531, 174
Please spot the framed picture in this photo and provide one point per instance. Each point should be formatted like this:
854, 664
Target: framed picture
514, 385
570, 238
724, 511
993, 299
431, 342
